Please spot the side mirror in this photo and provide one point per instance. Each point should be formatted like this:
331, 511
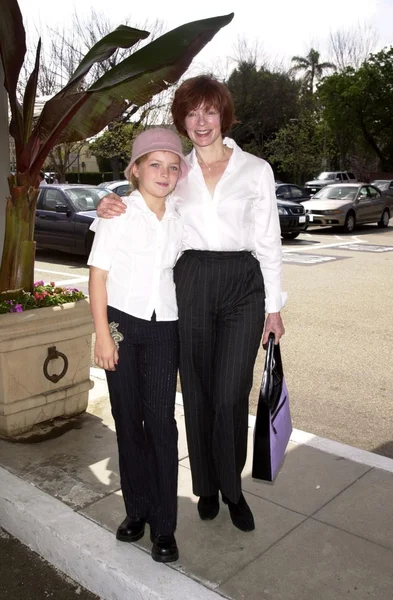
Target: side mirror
280, 195
62, 208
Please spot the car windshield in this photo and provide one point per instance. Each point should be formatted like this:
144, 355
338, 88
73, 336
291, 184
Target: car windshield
85, 198
323, 176
382, 184
340, 192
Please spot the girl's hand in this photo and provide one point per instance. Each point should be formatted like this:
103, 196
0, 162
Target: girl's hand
275, 325
106, 355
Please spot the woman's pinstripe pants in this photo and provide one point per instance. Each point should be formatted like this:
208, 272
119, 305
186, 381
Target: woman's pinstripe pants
221, 303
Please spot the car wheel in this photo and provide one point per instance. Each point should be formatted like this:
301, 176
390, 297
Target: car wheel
384, 220
350, 222
290, 236
89, 242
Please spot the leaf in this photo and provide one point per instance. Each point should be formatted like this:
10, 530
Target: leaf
30, 96
136, 79
12, 50
122, 37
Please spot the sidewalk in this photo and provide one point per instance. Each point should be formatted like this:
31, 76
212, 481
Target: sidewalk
324, 529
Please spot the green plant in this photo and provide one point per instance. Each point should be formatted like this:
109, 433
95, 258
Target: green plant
74, 114
43, 295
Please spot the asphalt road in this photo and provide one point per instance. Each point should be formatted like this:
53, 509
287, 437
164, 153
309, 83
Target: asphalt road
24, 575
338, 348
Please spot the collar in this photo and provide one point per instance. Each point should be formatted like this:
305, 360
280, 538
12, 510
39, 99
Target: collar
138, 200
236, 157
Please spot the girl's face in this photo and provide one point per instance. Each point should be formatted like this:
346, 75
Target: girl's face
157, 173
203, 125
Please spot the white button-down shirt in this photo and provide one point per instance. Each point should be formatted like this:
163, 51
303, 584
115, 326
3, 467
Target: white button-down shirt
241, 215
139, 252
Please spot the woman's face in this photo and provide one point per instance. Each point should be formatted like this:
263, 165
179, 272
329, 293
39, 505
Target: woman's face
203, 125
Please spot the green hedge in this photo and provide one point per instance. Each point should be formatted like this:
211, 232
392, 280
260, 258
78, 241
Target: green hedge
89, 178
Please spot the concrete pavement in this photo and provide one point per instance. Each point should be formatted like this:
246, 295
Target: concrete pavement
323, 529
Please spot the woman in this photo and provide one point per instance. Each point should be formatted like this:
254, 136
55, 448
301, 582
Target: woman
227, 276
133, 302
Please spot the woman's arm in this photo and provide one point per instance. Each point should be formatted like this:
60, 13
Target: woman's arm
105, 352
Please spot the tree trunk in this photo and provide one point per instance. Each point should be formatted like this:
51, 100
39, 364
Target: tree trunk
17, 265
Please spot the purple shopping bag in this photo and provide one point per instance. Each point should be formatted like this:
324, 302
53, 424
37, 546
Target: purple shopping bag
273, 424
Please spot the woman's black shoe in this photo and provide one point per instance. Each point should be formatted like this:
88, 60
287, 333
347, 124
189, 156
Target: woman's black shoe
164, 548
131, 530
241, 514
208, 507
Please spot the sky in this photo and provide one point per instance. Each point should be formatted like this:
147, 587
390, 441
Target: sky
280, 28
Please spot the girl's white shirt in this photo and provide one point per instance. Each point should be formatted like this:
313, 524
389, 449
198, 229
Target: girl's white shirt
139, 252
241, 215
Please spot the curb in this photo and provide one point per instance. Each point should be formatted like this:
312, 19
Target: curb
85, 551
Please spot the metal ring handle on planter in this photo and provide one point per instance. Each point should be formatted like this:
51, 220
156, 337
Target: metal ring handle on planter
52, 355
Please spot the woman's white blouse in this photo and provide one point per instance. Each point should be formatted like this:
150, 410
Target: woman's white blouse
241, 215
139, 252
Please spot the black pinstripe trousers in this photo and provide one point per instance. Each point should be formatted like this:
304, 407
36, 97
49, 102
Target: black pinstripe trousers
142, 392
221, 301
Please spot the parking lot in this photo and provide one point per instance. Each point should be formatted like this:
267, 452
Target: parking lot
338, 347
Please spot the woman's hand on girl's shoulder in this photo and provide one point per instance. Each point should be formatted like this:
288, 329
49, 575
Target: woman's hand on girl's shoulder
111, 206
106, 355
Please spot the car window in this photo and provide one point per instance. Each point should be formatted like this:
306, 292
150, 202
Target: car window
344, 177
336, 192
52, 199
84, 199
351, 175
338, 176
373, 192
296, 191
122, 190
283, 192
391, 185
363, 193
325, 175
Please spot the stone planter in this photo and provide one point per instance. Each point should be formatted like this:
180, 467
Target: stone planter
27, 396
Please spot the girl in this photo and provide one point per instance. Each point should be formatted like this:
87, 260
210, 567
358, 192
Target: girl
133, 302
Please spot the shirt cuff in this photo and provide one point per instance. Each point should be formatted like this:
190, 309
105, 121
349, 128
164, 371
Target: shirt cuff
276, 303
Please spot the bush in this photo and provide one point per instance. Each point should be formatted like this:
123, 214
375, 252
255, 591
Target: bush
89, 177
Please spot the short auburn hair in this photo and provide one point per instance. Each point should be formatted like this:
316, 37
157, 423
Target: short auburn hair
206, 90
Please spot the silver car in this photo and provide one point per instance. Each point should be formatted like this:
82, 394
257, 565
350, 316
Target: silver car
348, 205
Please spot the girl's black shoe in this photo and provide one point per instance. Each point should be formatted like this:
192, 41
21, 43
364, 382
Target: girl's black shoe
131, 530
164, 548
240, 513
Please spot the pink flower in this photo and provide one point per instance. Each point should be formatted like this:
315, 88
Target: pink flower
37, 283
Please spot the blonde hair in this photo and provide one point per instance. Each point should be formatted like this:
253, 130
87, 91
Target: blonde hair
134, 181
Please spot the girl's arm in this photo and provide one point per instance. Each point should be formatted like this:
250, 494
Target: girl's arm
105, 354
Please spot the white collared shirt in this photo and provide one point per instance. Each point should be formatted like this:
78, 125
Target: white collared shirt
242, 215
139, 252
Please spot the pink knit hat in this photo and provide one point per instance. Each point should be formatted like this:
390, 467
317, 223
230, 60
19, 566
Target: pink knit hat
155, 139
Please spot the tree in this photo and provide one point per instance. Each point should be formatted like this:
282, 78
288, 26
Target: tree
301, 147
115, 144
264, 102
358, 107
311, 68
351, 47
73, 115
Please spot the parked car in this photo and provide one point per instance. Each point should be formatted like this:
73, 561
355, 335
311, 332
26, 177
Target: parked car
291, 191
349, 204
385, 185
293, 219
63, 216
327, 178
121, 187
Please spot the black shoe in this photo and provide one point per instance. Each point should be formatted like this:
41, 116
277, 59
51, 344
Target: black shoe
241, 514
208, 507
131, 530
164, 548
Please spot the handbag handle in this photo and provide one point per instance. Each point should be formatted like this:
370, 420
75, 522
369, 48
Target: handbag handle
272, 363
